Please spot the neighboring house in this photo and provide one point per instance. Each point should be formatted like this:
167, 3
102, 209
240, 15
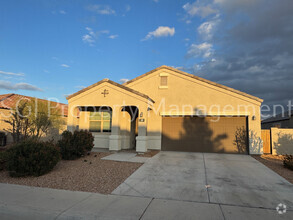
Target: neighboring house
282, 120
8, 102
167, 109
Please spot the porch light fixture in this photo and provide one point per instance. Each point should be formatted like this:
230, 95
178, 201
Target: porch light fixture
141, 114
253, 117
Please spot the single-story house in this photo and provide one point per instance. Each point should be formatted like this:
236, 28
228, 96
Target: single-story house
8, 103
168, 109
282, 120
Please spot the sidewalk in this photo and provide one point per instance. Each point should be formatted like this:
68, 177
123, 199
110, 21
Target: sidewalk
23, 202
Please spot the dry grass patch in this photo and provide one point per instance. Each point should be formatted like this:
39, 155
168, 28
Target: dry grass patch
89, 174
275, 163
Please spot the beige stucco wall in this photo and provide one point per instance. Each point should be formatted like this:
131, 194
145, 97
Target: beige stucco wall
185, 94
116, 99
4, 115
102, 139
282, 141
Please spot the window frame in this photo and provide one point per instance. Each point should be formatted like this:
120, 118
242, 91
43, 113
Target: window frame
101, 120
164, 81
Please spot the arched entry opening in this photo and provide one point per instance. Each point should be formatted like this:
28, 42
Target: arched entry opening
129, 126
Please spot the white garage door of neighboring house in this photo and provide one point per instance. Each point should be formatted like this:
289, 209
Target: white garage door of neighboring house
205, 134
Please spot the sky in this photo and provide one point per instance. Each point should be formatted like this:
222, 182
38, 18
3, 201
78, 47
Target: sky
53, 48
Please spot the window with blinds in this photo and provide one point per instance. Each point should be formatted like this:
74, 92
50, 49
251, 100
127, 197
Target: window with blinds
100, 122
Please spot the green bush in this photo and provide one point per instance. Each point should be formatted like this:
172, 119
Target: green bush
288, 161
3, 159
32, 158
73, 146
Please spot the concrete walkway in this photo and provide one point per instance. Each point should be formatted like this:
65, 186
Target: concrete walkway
23, 202
126, 157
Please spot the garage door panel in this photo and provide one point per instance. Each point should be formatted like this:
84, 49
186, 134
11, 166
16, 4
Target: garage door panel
205, 134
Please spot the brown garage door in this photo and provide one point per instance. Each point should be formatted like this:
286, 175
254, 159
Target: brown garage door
205, 134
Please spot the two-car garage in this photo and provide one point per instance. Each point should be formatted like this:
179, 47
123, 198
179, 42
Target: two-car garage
205, 134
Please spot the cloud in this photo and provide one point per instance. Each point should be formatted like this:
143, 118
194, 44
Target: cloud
197, 9
127, 8
65, 65
18, 86
11, 73
123, 80
80, 87
88, 39
254, 48
178, 67
104, 32
91, 37
113, 36
101, 9
207, 29
63, 12
204, 50
162, 31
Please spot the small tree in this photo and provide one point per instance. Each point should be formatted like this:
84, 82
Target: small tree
19, 123
43, 118
33, 118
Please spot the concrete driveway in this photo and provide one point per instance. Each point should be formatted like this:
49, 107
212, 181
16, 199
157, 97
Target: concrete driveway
225, 179
168, 186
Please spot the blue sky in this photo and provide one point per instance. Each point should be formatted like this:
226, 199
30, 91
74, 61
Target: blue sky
44, 41
52, 48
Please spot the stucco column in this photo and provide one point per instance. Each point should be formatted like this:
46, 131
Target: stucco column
115, 139
72, 120
141, 139
255, 141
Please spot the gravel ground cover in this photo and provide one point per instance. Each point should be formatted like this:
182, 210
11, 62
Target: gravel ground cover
89, 174
275, 163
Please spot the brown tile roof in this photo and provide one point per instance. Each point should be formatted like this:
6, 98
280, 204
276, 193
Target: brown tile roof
9, 101
194, 77
113, 83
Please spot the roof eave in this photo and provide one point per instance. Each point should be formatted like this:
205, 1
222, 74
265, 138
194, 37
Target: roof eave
198, 78
113, 83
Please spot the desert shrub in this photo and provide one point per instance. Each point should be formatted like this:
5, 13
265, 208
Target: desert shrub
3, 159
73, 146
32, 158
288, 161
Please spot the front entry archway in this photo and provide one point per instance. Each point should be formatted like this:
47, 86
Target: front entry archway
130, 131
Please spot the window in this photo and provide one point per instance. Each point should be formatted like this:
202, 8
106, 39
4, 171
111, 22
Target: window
100, 121
164, 81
